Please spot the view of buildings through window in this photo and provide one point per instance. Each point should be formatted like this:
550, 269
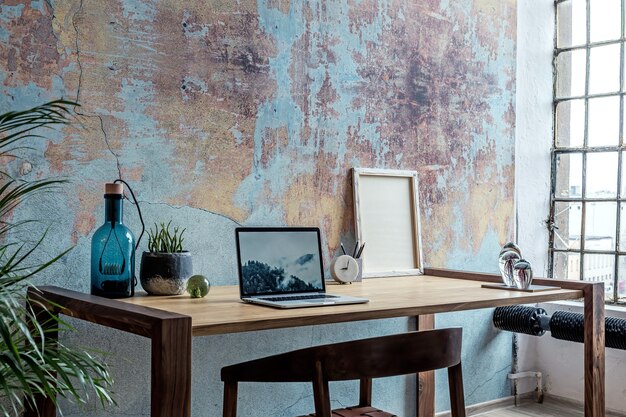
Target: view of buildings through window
588, 206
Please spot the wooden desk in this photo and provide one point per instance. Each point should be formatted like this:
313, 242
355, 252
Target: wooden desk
170, 323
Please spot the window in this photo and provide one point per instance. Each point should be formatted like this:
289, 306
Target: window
588, 195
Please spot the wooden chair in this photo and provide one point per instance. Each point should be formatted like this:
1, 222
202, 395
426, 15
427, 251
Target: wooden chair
365, 359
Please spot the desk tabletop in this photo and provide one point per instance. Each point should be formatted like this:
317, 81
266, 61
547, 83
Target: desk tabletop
170, 322
221, 311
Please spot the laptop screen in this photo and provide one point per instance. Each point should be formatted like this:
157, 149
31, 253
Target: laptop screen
279, 260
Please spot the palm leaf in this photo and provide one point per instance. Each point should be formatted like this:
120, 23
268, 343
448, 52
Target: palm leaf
31, 361
14, 192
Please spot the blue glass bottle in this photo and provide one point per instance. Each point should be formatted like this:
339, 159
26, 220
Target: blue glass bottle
113, 250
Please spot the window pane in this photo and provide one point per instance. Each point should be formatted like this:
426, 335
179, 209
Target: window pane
571, 14
600, 226
606, 20
567, 217
624, 73
601, 179
623, 182
621, 284
604, 67
571, 70
568, 175
570, 123
603, 121
600, 268
566, 265
623, 123
622, 229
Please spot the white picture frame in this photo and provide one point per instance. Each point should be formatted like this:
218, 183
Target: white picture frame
387, 221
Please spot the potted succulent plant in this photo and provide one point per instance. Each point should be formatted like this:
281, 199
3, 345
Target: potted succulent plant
165, 267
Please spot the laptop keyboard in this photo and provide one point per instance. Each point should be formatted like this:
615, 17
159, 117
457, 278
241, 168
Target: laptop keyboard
300, 297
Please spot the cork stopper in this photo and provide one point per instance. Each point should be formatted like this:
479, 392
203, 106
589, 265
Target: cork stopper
113, 188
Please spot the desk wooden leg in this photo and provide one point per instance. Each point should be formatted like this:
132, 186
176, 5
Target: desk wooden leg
425, 380
171, 368
594, 351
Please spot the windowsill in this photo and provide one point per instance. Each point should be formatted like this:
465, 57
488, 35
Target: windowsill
610, 309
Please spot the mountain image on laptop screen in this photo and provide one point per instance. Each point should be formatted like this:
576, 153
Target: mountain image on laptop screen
280, 262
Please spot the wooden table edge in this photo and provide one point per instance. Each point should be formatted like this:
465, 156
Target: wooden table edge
352, 316
140, 319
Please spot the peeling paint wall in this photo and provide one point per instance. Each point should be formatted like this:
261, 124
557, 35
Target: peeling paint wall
222, 113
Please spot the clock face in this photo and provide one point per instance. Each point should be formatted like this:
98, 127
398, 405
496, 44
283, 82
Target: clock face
344, 269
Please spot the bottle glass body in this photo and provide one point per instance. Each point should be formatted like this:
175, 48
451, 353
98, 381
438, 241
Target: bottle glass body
113, 254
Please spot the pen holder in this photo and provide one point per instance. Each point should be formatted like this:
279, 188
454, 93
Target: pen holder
359, 277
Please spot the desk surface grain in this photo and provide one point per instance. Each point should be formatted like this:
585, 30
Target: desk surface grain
221, 311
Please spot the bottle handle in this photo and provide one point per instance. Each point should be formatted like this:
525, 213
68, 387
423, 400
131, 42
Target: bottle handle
143, 228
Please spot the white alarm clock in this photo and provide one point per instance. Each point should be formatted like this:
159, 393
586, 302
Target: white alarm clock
344, 269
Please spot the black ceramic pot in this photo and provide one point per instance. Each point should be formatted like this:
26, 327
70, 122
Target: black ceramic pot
164, 273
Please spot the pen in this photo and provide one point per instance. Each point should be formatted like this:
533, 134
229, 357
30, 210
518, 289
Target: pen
342, 248
355, 248
358, 254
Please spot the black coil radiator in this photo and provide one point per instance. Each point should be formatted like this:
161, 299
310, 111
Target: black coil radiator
562, 324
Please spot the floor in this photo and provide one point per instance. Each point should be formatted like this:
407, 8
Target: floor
549, 408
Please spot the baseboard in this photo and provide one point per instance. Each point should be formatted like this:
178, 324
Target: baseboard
555, 399
505, 402
483, 407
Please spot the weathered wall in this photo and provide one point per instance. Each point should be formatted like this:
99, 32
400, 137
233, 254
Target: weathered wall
240, 112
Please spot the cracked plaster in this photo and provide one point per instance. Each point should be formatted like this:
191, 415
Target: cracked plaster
291, 98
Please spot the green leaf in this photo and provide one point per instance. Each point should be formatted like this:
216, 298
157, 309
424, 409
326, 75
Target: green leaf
31, 361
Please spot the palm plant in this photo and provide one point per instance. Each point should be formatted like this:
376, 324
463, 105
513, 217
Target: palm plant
29, 366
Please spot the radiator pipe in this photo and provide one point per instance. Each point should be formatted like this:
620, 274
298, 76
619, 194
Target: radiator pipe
563, 325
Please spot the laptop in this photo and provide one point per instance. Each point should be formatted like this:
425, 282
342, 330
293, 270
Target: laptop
282, 267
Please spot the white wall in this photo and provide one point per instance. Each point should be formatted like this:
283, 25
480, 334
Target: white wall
560, 362
562, 367
535, 33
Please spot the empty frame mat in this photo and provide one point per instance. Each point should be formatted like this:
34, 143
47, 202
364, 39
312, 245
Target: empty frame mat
387, 221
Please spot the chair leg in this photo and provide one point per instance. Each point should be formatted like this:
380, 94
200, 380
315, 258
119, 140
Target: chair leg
365, 392
230, 399
321, 393
457, 399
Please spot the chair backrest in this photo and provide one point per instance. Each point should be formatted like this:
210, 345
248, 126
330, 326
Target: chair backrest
377, 357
